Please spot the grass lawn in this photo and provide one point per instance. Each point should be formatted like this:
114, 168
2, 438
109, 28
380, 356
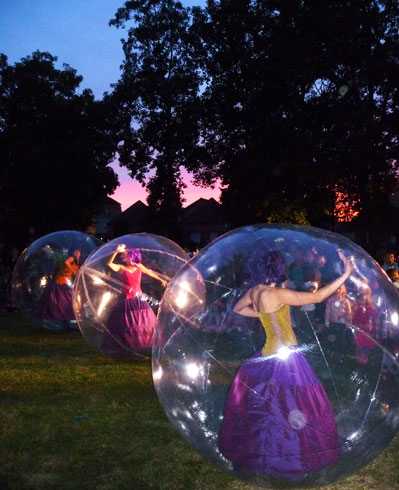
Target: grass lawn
71, 419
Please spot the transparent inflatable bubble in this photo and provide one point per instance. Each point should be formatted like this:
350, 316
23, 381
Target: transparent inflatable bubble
118, 291
304, 390
43, 277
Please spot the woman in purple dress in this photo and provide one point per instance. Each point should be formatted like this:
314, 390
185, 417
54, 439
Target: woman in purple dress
278, 420
56, 301
130, 327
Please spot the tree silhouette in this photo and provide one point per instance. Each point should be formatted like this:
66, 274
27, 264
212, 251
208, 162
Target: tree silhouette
55, 146
355, 109
159, 91
299, 104
290, 104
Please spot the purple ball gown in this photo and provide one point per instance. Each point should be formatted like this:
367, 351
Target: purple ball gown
278, 420
130, 327
56, 301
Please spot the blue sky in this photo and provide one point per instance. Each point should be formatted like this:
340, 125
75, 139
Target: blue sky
77, 32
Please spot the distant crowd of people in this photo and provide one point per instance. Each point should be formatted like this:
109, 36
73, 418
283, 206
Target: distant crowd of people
391, 267
361, 308
352, 321
308, 270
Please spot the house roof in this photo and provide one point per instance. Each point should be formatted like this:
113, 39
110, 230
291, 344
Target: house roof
108, 201
133, 214
203, 211
207, 211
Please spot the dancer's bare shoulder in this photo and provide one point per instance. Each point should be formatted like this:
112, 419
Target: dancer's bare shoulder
264, 299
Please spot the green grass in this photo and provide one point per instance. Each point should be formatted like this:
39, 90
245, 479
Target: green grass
71, 419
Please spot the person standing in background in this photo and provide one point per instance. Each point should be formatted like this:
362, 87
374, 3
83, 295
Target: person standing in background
389, 262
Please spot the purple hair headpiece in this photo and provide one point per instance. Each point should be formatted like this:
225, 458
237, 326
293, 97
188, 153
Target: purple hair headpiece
135, 255
266, 267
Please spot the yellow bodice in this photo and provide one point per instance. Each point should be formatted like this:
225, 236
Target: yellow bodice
279, 331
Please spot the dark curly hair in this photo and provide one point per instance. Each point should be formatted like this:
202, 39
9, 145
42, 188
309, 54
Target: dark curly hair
266, 267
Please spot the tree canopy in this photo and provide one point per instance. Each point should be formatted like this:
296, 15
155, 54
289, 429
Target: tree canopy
302, 96
55, 147
159, 90
290, 103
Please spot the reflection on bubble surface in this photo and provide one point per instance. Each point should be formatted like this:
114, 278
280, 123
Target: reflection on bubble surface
213, 368
42, 280
118, 291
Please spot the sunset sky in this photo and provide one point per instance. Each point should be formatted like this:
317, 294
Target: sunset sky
77, 32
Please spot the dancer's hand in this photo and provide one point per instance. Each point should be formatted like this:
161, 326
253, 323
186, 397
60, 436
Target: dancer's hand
121, 248
348, 263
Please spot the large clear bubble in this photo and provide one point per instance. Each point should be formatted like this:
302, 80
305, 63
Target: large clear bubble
303, 393
43, 277
118, 291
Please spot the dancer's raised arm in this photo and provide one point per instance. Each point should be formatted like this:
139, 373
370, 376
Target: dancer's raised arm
152, 274
268, 298
116, 267
298, 298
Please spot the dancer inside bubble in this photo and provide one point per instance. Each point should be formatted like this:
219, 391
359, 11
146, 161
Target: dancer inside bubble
278, 420
56, 301
130, 326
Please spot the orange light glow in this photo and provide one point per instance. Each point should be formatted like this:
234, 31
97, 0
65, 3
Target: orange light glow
345, 209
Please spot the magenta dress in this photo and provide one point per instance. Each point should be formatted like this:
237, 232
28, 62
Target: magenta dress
278, 420
130, 327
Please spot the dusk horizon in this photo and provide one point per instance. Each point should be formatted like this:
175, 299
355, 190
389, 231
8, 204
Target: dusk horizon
79, 35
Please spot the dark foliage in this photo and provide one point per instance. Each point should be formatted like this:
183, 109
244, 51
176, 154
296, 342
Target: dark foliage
287, 102
159, 90
55, 147
301, 97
